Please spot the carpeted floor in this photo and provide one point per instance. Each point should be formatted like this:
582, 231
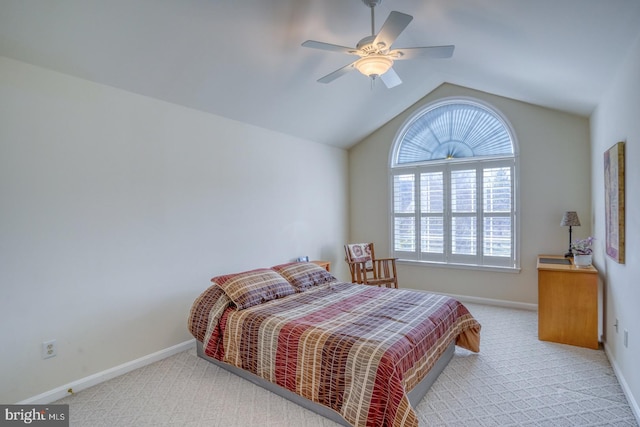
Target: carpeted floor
516, 380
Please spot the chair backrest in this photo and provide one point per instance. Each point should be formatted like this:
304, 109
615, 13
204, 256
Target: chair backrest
360, 252
365, 268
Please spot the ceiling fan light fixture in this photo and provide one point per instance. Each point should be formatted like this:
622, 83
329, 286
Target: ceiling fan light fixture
374, 65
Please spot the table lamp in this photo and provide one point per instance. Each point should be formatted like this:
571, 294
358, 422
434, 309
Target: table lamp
570, 219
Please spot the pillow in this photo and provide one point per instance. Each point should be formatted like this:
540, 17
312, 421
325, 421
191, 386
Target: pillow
361, 252
303, 275
253, 287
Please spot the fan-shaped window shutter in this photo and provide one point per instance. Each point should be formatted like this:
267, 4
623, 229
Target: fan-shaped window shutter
453, 174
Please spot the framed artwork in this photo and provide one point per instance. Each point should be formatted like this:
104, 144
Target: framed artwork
614, 201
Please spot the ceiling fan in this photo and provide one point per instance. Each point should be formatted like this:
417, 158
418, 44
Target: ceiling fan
376, 56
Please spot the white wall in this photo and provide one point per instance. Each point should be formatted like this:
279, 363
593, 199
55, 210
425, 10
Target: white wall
117, 209
617, 118
554, 177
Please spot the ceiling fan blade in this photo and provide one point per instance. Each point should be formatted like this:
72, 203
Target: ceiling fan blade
330, 47
337, 73
423, 52
392, 27
390, 78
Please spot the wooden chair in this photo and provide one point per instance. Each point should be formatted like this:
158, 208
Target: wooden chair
366, 269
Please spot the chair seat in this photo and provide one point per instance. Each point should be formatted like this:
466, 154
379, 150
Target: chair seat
380, 283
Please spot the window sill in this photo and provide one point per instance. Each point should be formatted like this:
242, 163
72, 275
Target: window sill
497, 269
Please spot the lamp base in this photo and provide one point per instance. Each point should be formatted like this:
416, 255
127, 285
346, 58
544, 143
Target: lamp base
568, 254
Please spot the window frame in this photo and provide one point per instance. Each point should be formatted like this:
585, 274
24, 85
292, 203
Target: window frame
479, 163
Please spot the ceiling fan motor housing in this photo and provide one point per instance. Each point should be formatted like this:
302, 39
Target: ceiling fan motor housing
366, 45
372, 3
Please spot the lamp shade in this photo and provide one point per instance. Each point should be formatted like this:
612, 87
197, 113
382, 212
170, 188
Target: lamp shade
570, 219
374, 65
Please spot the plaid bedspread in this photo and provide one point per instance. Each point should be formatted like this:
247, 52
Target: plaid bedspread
353, 348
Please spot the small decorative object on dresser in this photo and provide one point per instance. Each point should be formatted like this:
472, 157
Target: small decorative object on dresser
581, 261
582, 252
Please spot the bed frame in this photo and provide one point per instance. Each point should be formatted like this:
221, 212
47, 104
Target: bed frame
415, 395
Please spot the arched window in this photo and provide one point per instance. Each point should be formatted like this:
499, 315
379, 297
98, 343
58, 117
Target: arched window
453, 171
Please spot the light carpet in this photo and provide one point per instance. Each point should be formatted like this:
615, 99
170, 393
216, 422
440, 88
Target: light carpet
515, 380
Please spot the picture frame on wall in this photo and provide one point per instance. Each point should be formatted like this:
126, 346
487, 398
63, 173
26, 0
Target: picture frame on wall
614, 201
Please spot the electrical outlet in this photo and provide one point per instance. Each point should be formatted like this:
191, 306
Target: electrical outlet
49, 349
626, 338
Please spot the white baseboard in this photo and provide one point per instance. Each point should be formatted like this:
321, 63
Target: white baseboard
625, 387
497, 302
83, 383
488, 301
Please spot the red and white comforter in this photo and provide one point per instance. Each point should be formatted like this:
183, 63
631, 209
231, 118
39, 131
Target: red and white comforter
353, 348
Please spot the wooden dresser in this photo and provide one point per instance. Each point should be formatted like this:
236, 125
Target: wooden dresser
567, 302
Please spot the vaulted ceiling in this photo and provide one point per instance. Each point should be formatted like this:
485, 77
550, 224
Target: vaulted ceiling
242, 59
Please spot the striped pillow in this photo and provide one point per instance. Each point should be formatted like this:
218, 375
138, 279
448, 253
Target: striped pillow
253, 287
303, 275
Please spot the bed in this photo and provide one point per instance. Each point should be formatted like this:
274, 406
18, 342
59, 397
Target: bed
359, 355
